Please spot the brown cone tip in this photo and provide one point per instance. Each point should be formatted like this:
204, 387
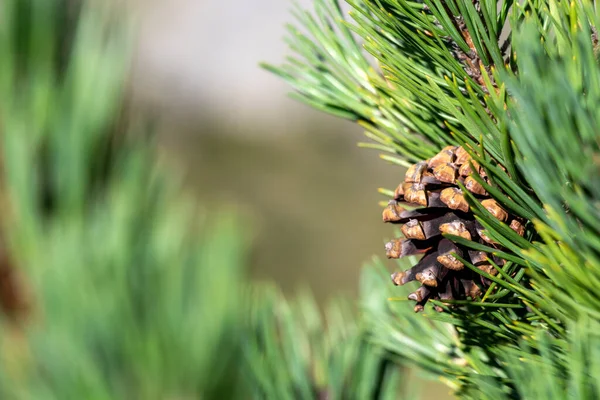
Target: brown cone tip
450, 262
446, 251
426, 269
398, 278
456, 228
488, 268
413, 230
415, 193
392, 212
446, 156
432, 184
461, 156
415, 172
393, 249
427, 278
471, 288
470, 168
454, 199
445, 173
466, 169
494, 208
474, 187
518, 227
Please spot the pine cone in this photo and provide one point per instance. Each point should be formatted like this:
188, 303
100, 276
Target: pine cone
432, 184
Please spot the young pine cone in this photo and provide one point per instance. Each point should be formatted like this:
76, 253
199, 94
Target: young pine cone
432, 184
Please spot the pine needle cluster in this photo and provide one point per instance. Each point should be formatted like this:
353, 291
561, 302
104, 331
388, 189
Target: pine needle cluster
513, 84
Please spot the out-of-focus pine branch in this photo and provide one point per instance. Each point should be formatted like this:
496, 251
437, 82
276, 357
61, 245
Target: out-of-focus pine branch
293, 352
133, 291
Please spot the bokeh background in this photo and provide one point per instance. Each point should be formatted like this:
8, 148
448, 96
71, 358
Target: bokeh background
308, 191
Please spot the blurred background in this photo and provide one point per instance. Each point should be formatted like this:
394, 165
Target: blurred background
310, 192
298, 175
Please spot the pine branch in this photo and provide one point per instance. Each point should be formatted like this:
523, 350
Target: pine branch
550, 122
523, 108
557, 141
435, 62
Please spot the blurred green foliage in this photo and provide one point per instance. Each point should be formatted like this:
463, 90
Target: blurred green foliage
135, 292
